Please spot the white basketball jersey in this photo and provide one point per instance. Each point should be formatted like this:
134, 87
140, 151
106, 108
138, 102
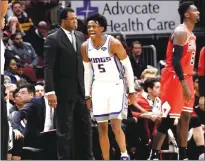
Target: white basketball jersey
106, 68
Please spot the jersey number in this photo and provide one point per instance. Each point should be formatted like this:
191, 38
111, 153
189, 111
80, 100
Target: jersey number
101, 68
192, 58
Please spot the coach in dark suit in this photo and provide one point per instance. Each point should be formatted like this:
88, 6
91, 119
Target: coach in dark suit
64, 86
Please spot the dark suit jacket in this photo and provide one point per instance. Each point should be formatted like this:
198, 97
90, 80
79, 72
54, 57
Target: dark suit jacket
64, 71
139, 67
34, 112
12, 112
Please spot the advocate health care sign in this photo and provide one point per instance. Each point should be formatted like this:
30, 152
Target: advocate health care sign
132, 17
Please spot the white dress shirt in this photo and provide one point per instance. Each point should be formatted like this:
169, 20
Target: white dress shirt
69, 34
2, 57
48, 125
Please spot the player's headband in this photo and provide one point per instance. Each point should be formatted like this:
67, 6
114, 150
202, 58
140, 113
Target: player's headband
97, 22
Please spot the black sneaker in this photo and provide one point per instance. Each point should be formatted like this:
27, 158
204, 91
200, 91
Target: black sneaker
154, 156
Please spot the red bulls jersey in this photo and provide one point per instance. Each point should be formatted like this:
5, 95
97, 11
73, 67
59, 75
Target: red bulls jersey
188, 55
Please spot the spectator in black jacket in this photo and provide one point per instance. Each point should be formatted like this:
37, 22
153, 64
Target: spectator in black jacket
137, 62
40, 118
37, 37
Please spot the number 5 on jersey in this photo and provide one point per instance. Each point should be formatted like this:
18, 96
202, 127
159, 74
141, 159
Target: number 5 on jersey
101, 68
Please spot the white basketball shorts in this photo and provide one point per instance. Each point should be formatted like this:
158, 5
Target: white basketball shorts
109, 101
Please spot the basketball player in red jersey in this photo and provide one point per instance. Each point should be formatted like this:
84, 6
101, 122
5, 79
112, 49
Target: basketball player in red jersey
177, 91
201, 73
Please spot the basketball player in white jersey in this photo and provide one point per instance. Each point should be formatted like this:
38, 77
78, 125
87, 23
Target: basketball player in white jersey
106, 65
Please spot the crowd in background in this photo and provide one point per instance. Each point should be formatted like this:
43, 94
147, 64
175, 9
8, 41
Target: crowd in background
28, 23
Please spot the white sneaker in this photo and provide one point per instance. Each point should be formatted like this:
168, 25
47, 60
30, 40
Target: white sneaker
202, 156
125, 157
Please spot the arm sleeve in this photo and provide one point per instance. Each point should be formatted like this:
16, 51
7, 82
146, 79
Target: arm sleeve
88, 78
129, 74
177, 55
201, 72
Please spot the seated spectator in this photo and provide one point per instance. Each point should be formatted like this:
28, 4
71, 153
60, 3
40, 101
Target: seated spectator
10, 10
7, 79
21, 73
147, 73
147, 121
37, 37
11, 70
15, 152
25, 22
12, 27
18, 103
39, 116
26, 93
149, 99
10, 88
136, 59
39, 88
10, 54
21, 82
24, 50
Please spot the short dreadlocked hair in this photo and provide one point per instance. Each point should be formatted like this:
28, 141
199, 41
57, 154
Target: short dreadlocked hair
99, 19
183, 7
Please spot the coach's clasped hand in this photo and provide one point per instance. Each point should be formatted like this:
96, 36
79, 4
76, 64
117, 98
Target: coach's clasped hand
52, 100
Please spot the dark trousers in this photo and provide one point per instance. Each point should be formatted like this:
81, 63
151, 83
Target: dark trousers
74, 133
4, 129
17, 146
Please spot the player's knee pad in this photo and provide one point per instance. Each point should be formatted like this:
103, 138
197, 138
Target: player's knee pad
194, 122
165, 124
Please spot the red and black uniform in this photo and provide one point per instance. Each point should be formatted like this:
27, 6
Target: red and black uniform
171, 88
